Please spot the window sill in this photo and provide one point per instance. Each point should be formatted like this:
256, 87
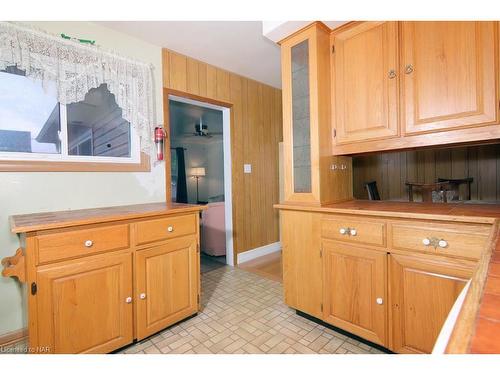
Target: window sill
61, 166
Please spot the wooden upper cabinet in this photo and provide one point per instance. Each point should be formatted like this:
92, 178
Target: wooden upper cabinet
448, 75
355, 290
311, 173
166, 284
364, 73
422, 292
85, 305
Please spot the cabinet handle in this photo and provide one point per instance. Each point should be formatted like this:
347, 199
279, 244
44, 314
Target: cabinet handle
353, 232
343, 231
128, 300
379, 301
426, 241
170, 229
409, 69
142, 296
443, 243
88, 243
392, 74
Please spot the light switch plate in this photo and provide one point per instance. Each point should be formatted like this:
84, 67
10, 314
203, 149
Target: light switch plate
247, 168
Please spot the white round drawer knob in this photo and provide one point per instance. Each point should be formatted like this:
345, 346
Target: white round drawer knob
354, 232
443, 243
426, 241
380, 301
88, 243
170, 229
128, 300
142, 296
343, 231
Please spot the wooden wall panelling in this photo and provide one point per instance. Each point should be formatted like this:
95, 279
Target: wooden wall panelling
256, 130
192, 77
391, 170
178, 72
211, 82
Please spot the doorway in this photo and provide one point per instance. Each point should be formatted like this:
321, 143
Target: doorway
200, 142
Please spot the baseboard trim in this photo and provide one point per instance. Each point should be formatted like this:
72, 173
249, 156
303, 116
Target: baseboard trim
11, 338
258, 252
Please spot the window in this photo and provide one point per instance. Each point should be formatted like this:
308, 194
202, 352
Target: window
34, 126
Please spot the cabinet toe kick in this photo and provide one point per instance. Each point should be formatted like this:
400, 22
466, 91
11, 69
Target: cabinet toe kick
14, 266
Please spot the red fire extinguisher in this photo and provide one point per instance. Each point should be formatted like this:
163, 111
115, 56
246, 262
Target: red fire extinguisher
159, 141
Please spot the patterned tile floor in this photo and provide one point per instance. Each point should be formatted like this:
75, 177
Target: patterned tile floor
244, 313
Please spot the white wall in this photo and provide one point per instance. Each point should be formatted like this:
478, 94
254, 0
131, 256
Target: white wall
209, 155
36, 192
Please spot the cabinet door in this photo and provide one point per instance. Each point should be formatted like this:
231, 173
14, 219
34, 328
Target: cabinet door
422, 291
365, 75
85, 306
302, 263
355, 290
167, 284
448, 75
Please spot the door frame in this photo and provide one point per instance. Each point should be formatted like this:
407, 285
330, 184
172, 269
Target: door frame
225, 108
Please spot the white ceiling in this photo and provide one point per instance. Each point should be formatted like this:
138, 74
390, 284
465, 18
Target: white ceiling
237, 46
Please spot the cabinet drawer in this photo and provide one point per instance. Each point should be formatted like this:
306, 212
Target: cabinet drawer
77, 243
165, 228
354, 230
461, 240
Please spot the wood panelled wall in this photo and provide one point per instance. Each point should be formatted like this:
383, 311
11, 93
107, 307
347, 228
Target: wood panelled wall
256, 130
391, 170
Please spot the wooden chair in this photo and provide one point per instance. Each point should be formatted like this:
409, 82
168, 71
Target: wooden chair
372, 190
427, 189
455, 185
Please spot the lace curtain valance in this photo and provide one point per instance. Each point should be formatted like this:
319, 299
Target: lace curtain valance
77, 68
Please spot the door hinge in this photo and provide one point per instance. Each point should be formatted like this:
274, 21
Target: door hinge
321, 252
334, 133
321, 307
198, 248
198, 298
34, 289
333, 48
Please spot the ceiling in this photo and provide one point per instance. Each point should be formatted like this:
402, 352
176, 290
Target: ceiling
183, 118
237, 46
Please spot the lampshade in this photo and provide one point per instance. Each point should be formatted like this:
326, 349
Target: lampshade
199, 171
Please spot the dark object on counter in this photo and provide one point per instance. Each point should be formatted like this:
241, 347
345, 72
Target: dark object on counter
372, 189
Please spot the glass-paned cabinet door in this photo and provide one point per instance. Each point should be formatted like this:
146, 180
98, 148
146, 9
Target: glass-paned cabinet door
301, 118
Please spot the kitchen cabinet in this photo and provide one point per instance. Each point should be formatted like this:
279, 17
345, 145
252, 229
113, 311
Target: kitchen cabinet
310, 171
302, 263
448, 75
99, 279
355, 290
401, 85
85, 305
365, 78
422, 291
167, 284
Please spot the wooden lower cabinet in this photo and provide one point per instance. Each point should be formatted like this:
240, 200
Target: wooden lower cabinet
355, 290
422, 292
85, 305
166, 284
302, 263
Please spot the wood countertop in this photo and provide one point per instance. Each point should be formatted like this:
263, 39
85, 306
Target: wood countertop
477, 329
62, 219
472, 213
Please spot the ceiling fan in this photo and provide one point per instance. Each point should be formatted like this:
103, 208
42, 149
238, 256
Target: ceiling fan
201, 130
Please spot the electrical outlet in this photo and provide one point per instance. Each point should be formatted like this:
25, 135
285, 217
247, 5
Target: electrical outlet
247, 168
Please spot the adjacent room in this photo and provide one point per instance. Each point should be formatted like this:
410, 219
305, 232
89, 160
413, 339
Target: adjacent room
324, 187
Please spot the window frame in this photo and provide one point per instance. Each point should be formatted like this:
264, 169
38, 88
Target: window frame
64, 162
